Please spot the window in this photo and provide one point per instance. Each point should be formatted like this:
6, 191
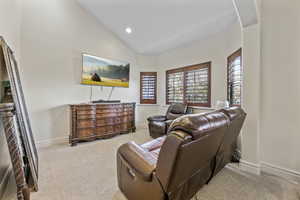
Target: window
234, 78
148, 87
190, 85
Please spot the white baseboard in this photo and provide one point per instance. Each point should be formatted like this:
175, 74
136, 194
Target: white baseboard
54, 141
4, 181
65, 140
249, 167
280, 171
271, 169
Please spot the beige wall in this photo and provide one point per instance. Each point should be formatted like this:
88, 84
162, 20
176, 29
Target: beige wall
215, 48
10, 30
54, 34
280, 99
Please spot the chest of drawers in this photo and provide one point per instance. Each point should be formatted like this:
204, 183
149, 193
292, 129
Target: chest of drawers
98, 121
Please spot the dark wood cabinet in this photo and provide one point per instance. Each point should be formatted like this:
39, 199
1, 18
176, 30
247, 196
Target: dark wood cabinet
98, 121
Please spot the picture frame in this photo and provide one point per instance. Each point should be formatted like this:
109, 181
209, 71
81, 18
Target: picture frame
98, 71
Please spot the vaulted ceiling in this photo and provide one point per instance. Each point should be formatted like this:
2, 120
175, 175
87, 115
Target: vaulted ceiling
159, 25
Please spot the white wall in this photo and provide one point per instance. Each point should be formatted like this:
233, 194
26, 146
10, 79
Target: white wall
272, 89
215, 48
10, 30
280, 101
10, 23
251, 93
54, 34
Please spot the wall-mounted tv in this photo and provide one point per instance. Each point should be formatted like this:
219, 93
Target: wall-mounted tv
104, 72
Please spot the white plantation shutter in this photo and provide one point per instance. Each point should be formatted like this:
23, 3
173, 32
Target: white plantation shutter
235, 78
148, 87
175, 87
189, 85
197, 85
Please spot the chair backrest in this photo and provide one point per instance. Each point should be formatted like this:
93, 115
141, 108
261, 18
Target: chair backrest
176, 110
237, 117
186, 157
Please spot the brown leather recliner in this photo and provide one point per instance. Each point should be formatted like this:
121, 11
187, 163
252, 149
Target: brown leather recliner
176, 166
158, 125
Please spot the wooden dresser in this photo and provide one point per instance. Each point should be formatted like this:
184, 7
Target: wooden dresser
96, 121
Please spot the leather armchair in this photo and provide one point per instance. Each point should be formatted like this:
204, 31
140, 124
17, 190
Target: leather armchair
158, 125
176, 166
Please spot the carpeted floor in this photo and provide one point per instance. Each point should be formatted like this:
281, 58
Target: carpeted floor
88, 172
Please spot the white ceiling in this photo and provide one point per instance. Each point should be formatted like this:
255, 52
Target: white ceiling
247, 10
159, 25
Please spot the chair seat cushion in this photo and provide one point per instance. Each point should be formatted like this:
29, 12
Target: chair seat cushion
154, 145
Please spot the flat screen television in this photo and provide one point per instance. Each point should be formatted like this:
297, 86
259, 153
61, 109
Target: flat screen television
104, 72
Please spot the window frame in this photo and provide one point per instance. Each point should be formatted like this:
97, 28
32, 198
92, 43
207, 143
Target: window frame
148, 101
230, 59
184, 70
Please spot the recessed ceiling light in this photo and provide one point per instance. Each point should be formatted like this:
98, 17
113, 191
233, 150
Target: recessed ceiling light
128, 30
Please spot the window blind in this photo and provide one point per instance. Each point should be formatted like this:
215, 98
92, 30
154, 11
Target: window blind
148, 87
234, 78
197, 86
175, 87
189, 85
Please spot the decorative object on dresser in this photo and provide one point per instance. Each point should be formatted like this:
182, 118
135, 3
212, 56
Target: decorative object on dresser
15, 119
101, 120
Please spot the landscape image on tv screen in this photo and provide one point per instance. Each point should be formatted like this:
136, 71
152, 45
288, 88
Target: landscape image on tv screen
104, 72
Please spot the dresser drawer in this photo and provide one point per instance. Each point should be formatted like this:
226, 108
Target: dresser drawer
127, 118
85, 123
109, 129
105, 130
106, 115
85, 107
118, 120
105, 121
128, 112
117, 128
87, 117
85, 112
100, 131
85, 133
126, 126
100, 122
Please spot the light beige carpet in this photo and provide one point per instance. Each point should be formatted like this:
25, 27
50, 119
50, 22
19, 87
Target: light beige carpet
88, 172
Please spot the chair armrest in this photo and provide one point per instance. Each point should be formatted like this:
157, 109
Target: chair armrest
157, 118
140, 162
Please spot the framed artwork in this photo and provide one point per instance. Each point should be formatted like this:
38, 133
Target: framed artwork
104, 72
